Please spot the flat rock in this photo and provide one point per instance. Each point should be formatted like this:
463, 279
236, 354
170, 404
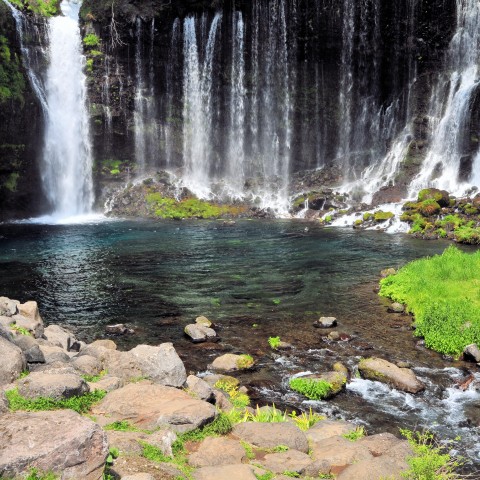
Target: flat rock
225, 472
107, 384
199, 333
339, 452
199, 388
52, 385
217, 451
87, 365
227, 363
379, 468
60, 441
291, 461
380, 443
472, 352
12, 362
386, 372
325, 322
327, 429
203, 321
151, 406
161, 364
60, 337
271, 435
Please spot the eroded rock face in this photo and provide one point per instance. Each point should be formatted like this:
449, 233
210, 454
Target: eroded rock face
386, 372
271, 435
161, 364
60, 441
12, 362
151, 406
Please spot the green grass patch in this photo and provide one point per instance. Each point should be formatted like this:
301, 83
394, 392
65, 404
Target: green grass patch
429, 462
34, 474
91, 40
20, 330
355, 435
94, 378
80, 404
245, 361
46, 8
304, 421
239, 399
443, 293
312, 388
121, 426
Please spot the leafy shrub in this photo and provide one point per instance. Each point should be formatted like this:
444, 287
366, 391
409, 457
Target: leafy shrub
238, 399
355, 435
91, 40
314, 389
304, 421
274, 342
245, 361
121, 426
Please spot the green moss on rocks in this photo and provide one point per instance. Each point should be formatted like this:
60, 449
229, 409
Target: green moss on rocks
12, 80
46, 8
381, 216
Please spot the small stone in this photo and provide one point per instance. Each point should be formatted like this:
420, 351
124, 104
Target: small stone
396, 307
325, 322
118, 329
107, 384
203, 321
231, 362
199, 333
334, 336
387, 272
472, 352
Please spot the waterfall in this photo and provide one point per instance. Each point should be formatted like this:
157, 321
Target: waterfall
197, 107
236, 157
67, 160
145, 123
451, 109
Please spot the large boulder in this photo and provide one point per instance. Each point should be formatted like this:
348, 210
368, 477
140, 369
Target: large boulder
151, 406
161, 364
231, 362
61, 441
61, 337
52, 385
87, 365
271, 435
199, 388
386, 372
12, 362
54, 354
30, 348
33, 325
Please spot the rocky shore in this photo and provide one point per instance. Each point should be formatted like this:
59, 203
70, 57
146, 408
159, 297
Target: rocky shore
90, 411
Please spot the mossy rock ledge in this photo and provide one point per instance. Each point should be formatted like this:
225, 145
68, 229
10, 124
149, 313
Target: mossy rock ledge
383, 371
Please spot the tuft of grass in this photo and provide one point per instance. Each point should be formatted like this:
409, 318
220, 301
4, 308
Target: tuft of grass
34, 474
20, 330
248, 450
265, 476
267, 415
430, 461
80, 404
443, 293
94, 378
121, 426
304, 421
274, 342
312, 388
238, 399
245, 361
355, 435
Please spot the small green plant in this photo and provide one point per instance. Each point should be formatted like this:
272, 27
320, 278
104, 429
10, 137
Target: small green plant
94, 378
245, 361
288, 473
24, 374
121, 426
304, 421
113, 453
248, 450
238, 399
153, 453
430, 462
80, 404
34, 474
265, 415
280, 448
355, 435
276, 301
215, 302
265, 476
91, 40
314, 389
20, 330
274, 342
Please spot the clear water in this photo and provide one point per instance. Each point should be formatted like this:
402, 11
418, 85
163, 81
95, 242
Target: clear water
158, 276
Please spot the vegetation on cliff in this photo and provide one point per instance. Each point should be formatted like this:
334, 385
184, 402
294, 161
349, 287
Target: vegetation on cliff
12, 81
46, 8
443, 293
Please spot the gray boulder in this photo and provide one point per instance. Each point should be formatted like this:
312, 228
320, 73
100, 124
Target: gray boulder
60, 337
12, 362
8, 307
472, 352
30, 348
107, 384
54, 354
161, 364
200, 388
52, 385
87, 365
61, 441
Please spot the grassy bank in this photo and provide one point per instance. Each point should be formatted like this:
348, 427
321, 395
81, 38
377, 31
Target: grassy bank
443, 293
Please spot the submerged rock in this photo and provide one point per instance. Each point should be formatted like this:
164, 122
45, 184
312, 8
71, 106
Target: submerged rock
386, 372
199, 333
325, 322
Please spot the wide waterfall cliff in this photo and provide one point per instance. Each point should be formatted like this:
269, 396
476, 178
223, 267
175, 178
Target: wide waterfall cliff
253, 100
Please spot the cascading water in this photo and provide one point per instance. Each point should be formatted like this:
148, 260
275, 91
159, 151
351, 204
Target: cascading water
450, 143
67, 160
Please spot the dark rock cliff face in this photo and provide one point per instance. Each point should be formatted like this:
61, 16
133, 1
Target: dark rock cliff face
20, 129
